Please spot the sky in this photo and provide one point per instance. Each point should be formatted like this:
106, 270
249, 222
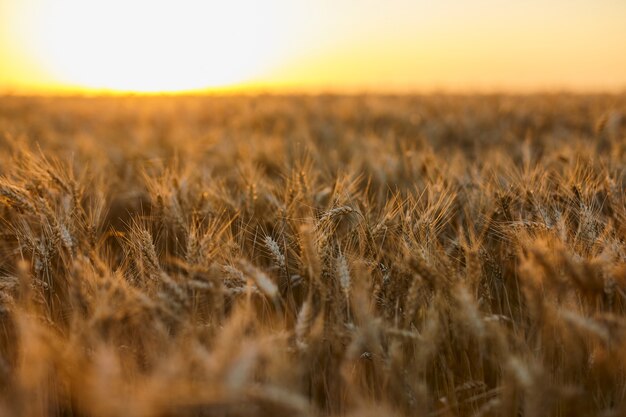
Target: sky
321, 45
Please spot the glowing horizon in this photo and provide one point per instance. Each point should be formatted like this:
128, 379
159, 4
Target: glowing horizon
166, 46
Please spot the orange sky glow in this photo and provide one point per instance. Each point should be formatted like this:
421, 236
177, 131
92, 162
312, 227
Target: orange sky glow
323, 45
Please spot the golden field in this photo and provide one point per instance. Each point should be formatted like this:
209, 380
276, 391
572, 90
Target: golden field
321, 255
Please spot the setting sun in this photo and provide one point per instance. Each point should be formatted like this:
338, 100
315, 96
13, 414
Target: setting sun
148, 46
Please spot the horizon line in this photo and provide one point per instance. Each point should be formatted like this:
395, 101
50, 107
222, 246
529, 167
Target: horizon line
272, 90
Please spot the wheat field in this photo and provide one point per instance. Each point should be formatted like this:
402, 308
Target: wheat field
368, 255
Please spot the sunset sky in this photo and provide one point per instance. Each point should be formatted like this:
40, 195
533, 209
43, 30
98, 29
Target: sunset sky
322, 45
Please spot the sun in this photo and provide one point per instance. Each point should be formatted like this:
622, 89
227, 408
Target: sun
155, 46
